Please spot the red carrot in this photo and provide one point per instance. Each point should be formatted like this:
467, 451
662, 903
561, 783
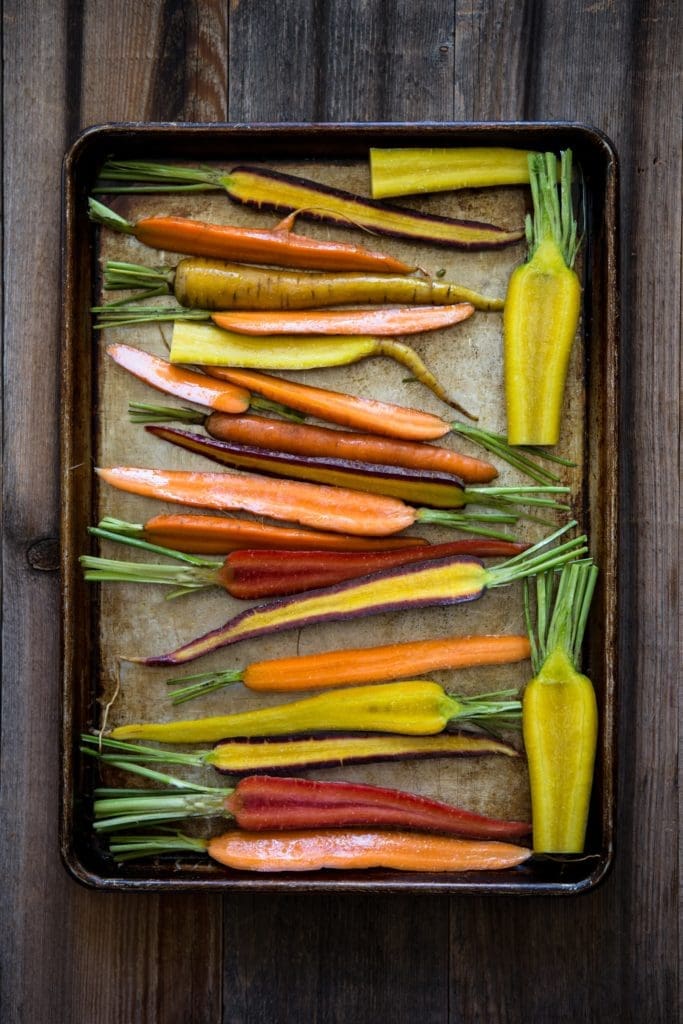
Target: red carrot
263, 802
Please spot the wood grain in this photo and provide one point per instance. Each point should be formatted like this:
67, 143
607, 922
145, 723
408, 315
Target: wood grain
77, 956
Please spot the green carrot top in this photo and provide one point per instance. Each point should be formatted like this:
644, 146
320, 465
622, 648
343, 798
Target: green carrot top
553, 217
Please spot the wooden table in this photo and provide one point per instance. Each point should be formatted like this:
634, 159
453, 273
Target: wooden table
72, 955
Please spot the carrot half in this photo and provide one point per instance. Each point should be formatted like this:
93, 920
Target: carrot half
388, 320
353, 849
279, 245
336, 509
347, 849
218, 535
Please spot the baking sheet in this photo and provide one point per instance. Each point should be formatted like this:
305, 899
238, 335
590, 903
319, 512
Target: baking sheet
139, 620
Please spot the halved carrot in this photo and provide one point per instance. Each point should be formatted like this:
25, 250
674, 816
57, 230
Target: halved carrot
361, 848
336, 509
186, 384
380, 664
279, 245
335, 407
388, 320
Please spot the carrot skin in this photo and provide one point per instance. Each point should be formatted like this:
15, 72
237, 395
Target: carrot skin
381, 322
353, 849
278, 246
335, 407
306, 439
218, 535
266, 802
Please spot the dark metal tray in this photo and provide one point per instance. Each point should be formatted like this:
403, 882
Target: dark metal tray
94, 428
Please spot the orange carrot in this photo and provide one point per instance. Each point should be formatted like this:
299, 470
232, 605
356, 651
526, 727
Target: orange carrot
381, 664
388, 320
305, 439
218, 535
336, 509
361, 848
359, 665
185, 384
279, 245
336, 407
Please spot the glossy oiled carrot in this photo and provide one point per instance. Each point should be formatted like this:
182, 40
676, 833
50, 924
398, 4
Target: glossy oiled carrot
353, 849
336, 509
346, 849
218, 535
336, 407
304, 439
386, 321
279, 246
181, 382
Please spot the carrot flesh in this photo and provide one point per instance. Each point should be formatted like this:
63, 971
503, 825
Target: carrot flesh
182, 383
218, 535
335, 509
360, 848
336, 407
279, 245
377, 664
305, 439
381, 322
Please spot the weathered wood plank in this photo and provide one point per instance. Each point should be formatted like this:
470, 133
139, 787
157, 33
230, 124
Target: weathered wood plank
340, 61
75, 955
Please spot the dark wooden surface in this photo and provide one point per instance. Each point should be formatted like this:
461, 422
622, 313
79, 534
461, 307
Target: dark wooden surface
71, 955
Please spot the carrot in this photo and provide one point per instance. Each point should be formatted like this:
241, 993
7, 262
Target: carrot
542, 309
384, 321
187, 384
272, 190
323, 442
358, 665
279, 245
344, 849
208, 345
204, 284
218, 535
320, 506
